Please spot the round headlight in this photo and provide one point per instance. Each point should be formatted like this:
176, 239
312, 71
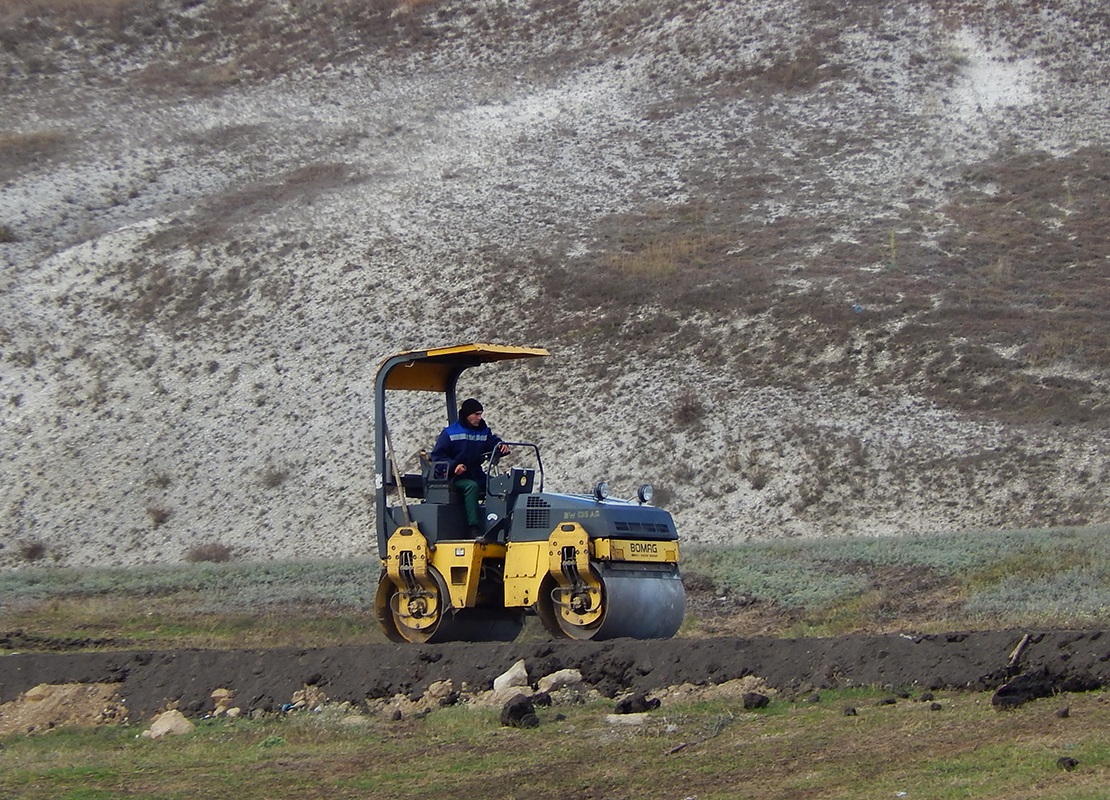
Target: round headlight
601, 491
645, 493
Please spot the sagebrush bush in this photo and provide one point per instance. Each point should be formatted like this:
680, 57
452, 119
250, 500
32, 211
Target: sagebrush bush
32, 550
212, 552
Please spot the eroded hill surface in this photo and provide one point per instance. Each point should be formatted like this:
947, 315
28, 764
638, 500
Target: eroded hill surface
811, 268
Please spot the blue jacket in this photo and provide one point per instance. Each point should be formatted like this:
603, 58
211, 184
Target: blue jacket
461, 444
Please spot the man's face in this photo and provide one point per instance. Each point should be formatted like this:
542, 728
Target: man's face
473, 419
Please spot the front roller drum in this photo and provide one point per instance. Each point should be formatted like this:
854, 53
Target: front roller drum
638, 602
412, 615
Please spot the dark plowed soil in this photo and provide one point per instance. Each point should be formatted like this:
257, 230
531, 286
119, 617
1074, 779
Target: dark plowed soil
267, 679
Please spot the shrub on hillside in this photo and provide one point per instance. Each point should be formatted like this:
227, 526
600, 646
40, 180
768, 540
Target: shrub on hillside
212, 552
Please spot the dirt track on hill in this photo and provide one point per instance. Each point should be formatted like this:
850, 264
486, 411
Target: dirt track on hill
266, 680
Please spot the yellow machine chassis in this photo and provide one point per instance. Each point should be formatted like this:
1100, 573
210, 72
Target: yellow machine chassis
566, 565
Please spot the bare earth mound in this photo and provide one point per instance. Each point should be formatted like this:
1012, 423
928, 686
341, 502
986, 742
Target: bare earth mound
266, 680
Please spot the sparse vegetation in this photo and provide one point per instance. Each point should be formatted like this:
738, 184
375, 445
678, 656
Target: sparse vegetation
274, 476
32, 550
210, 552
968, 581
689, 409
703, 749
977, 580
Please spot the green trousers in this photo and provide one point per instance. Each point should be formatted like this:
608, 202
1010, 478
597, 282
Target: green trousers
469, 490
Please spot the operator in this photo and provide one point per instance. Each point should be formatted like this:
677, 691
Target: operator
464, 443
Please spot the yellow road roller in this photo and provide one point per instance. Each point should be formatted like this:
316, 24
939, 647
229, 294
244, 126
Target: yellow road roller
589, 565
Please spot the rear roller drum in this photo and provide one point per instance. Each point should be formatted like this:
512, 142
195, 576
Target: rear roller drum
430, 619
637, 602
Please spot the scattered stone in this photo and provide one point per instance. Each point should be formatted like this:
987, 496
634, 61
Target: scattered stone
927, 697
935, 706
887, 701
620, 718
222, 699
755, 700
579, 695
850, 711
169, 723
396, 716
439, 693
519, 712
1067, 763
514, 677
450, 699
559, 680
813, 698
541, 699
1064, 712
636, 704
311, 698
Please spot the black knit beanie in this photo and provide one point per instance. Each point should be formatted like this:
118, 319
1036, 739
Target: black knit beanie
469, 406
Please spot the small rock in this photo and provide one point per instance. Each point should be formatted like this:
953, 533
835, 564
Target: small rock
1067, 763
850, 711
624, 718
813, 698
559, 680
541, 699
1064, 712
222, 700
935, 706
519, 713
636, 704
437, 692
514, 676
887, 701
396, 716
170, 723
754, 700
927, 697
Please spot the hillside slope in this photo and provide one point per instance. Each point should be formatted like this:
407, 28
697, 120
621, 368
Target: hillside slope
811, 269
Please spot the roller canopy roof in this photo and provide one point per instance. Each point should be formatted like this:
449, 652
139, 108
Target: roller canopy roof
437, 370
